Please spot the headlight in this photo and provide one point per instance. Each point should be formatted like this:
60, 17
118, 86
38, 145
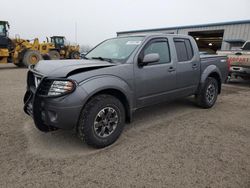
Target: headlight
60, 87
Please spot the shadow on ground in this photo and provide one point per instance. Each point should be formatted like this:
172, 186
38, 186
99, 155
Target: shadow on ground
65, 143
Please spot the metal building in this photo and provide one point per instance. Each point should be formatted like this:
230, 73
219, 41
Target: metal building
209, 37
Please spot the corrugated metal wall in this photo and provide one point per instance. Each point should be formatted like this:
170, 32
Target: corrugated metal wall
234, 31
239, 31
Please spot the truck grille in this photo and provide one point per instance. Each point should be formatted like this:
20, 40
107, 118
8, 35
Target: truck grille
37, 80
44, 87
33, 79
30, 79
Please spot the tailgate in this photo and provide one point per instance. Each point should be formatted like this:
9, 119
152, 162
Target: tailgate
242, 60
237, 58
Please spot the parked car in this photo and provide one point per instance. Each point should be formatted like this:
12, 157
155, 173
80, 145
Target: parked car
97, 95
239, 61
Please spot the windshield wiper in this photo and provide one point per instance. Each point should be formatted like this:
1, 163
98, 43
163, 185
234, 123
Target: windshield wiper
103, 59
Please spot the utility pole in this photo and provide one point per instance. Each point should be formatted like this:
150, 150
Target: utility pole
76, 32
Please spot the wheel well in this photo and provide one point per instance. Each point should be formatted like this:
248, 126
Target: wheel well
118, 94
217, 77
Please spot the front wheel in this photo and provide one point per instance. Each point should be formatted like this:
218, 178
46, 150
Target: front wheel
54, 55
101, 121
208, 94
31, 57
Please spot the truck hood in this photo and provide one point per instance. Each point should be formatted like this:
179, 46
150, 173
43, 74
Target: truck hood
65, 68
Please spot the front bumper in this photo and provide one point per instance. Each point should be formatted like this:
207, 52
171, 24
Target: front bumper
240, 71
53, 113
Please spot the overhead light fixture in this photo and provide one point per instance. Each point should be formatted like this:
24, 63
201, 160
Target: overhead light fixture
210, 44
197, 38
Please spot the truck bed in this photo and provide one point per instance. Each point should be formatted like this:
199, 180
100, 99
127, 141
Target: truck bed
219, 61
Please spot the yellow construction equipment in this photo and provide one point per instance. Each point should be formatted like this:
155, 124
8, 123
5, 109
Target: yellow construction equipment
23, 52
63, 51
4, 40
26, 52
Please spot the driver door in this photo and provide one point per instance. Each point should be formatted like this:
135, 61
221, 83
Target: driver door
155, 81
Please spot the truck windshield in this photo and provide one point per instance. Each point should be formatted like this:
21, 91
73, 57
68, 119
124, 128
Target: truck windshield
246, 46
117, 49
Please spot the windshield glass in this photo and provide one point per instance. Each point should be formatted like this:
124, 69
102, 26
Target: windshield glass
2, 30
57, 40
246, 46
115, 49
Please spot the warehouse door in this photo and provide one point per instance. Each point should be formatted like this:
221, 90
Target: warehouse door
208, 41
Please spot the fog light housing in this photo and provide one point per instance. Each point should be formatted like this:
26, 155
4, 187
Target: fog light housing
52, 116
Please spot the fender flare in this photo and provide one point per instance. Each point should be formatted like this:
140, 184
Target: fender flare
101, 83
208, 71
211, 69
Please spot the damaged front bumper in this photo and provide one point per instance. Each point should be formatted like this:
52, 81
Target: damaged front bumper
51, 113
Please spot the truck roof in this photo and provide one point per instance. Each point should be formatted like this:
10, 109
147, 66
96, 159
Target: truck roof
155, 35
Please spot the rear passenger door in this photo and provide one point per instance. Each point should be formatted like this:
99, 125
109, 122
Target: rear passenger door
187, 67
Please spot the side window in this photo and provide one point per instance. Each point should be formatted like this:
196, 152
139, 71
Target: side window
189, 49
184, 49
160, 47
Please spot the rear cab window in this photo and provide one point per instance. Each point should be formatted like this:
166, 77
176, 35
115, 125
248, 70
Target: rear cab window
184, 49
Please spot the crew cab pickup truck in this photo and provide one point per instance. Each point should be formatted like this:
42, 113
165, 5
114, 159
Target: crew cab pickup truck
97, 95
239, 61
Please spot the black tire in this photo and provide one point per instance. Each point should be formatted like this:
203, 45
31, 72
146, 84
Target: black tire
91, 134
245, 77
75, 55
46, 57
208, 94
31, 57
20, 65
54, 55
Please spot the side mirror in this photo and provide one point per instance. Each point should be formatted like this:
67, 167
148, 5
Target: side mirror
150, 58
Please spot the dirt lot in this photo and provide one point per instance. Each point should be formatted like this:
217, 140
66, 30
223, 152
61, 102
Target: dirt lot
169, 145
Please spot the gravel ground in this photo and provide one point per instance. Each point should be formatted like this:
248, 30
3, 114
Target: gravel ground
168, 145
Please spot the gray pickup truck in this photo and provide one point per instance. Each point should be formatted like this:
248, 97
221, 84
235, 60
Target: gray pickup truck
97, 95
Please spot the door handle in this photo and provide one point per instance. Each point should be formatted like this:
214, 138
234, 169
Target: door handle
194, 66
171, 69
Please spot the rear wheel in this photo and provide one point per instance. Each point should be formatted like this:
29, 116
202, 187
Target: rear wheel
101, 121
208, 94
54, 55
75, 55
20, 65
31, 57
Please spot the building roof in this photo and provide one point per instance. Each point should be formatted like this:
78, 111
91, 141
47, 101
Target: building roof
187, 26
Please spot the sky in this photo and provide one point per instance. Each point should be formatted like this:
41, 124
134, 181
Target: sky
89, 22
